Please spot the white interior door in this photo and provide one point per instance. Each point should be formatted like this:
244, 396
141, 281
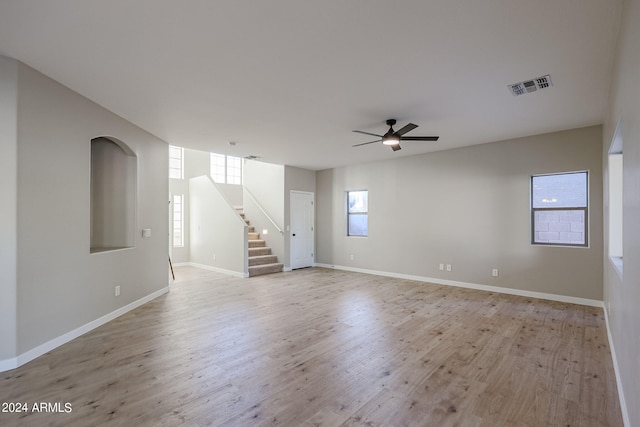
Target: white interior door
302, 234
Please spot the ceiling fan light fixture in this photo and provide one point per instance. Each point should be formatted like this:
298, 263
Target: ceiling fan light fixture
390, 139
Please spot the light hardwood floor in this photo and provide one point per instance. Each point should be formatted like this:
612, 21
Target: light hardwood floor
325, 347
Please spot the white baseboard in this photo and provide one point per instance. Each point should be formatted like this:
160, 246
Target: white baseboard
28, 356
219, 270
180, 264
497, 289
8, 364
616, 369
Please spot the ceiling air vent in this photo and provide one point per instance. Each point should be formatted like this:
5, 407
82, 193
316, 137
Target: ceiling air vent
530, 85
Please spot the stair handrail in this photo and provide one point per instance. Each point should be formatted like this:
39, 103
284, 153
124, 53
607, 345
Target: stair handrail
253, 199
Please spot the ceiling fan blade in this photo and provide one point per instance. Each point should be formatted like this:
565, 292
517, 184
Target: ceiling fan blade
367, 133
420, 138
395, 147
406, 128
365, 143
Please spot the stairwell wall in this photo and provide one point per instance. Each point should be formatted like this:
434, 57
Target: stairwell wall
265, 182
218, 234
196, 163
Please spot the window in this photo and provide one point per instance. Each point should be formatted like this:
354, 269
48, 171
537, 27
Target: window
357, 213
234, 170
559, 209
218, 167
176, 162
178, 220
226, 169
616, 205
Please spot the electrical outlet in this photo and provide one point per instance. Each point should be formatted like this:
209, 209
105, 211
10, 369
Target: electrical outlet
351, 256
448, 267
214, 256
118, 290
441, 267
494, 272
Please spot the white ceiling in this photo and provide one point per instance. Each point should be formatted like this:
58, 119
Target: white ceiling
288, 80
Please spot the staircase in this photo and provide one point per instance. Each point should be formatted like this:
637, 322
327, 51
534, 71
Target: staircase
261, 260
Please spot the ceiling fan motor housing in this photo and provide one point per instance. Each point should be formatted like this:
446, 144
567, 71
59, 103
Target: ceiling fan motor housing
390, 138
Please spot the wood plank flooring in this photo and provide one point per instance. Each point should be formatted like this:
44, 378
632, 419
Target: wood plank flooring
320, 347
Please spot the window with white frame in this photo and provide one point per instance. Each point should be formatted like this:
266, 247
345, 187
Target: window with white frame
226, 169
218, 167
176, 162
358, 213
178, 220
616, 205
559, 209
234, 170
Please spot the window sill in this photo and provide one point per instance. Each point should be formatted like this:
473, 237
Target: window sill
616, 261
99, 250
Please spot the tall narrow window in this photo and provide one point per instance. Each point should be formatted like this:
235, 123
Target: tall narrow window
176, 162
559, 209
616, 205
226, 169
218, 167
358, 213
234, 170
178, 220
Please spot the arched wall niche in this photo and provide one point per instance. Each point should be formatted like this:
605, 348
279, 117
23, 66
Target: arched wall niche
113, 194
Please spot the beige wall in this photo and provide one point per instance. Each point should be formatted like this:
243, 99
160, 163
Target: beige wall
469, 208
622, 294
8, 211
61, 286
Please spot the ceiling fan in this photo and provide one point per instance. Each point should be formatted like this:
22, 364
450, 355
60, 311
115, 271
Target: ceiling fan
392, 138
